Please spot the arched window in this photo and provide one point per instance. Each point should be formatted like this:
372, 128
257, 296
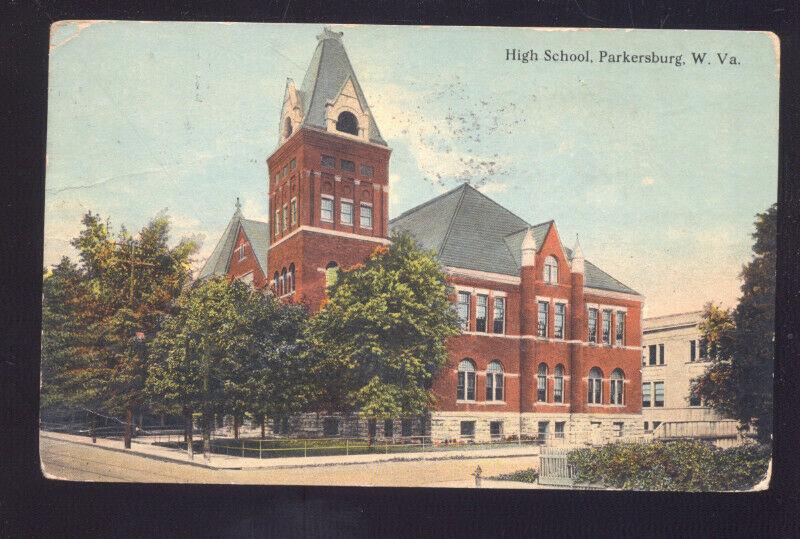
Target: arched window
465, 390
494, 381
550, 270
283, 282
275, 281
331, 273
617, 387
558, 384
541, 383
291, 277
287, 128
347, 123
595, 395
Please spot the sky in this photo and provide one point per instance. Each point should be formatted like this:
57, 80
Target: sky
659, 169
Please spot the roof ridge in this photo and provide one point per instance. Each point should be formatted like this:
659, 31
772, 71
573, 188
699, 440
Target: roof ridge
493, 201
427, 202
452, 220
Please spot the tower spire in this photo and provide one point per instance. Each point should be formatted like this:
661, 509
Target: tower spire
578, 261
238, 206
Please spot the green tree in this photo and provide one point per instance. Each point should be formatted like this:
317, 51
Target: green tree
380, 337
739, 380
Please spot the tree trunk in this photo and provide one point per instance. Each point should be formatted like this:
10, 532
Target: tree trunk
207, 419
128, 423
235, 427
263, 427
188, 434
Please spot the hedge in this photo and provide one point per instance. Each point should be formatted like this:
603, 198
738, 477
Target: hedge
680, 465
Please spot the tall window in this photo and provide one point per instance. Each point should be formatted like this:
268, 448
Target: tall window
595, 395
660, 354
283, 281
617, 387
293, 164
494, 382
621, 328
542, 322
692, 350
466, 381
658, 394
463, 309
326, 209
606, 327
293, 211
592, 325
275, 281
558, 330
646, 395
241, 251
541, 383
543, 428
559, 432
499, 321
328, 161
366, 215
703, 346
388, 428
284, 217
347, 166
277, 222
481, 312
652, 354
347, 123
291, 277
558, 384
346, 212
331, 273
551, 270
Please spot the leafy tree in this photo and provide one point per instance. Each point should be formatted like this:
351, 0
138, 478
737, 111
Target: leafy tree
380, 337
739, 381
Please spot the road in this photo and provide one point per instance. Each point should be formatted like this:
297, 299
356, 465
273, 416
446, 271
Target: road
66, 460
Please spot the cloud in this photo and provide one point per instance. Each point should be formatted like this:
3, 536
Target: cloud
255, 209
493, 187
648, 180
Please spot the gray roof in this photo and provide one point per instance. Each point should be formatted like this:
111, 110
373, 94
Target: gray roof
257, 233
326, 76
447, 225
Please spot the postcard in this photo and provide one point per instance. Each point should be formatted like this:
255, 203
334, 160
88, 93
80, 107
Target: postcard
447, 257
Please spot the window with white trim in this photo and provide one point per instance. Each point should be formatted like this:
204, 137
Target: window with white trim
620, 328
558, 319
366, 215
465, 389
496, 429
293, 211
559, 432
551, 270
606, 327
647, 398
328, 161
347, 165
652, 354
494, 382
291, 277
541, 383
481, 312
499, 321
592, 325
277, 222
467, 429
241, 251
283, 282
326, 209
346, 212
463, 309
541, 326
595, 395
658, 394
660, 354
558, 384
619, 427
284, 218
617, 387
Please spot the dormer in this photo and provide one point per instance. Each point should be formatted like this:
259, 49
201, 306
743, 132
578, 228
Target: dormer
345, 115
292, 111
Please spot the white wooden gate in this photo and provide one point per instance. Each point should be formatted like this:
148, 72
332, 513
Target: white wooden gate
553, 467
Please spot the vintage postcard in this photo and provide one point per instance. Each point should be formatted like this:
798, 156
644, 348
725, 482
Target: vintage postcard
462, 257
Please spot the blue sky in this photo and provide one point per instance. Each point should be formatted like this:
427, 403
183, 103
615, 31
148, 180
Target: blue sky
660, 169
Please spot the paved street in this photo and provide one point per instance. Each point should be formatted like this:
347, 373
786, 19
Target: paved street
67, 460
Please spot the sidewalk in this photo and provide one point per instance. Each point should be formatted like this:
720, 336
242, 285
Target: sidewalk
225, 462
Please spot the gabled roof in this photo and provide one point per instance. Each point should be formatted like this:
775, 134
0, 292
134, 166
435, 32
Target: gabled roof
257, 233
325, 78
466, 229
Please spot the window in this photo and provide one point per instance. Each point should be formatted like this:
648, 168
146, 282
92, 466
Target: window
646, 426
466, 381
619, 426
326, 209
284, 287
644, 356
277, 222
366, 215
346, 213
241, 251
606, 327
559, 432
463, 309
692, 350
541, 383
287, 128
646, 395
468, 429
496, 429
544, 426
558, 384
347, 123
617, 387
499, 321
405, 427
494, 382
293, 211
595, 395
275, 280
328, 161
290, 276
284, 219
372, 428
551, 270
293, 164
388, 428
330, 426
558, 331
481, 311
541, 328
367, 171
703, 345
694, 399
660, 354
284, 171
658, 392
592, 325
620, 328
347, 166
652, 352
331, 273
656, 424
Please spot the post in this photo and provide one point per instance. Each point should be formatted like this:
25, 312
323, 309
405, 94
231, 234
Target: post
259, 450
305, 448
347, 446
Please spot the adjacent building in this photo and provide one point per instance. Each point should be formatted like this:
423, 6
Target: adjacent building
551, 343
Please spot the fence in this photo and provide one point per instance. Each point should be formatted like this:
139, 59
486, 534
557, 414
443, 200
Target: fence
553, 467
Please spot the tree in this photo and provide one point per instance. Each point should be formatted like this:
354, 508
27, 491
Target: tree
739, 381
380, 337
122, 289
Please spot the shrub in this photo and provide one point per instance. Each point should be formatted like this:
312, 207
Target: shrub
529, 475
684, 465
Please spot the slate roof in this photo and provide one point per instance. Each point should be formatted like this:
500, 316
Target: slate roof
326, 76
492, 243
257, 233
